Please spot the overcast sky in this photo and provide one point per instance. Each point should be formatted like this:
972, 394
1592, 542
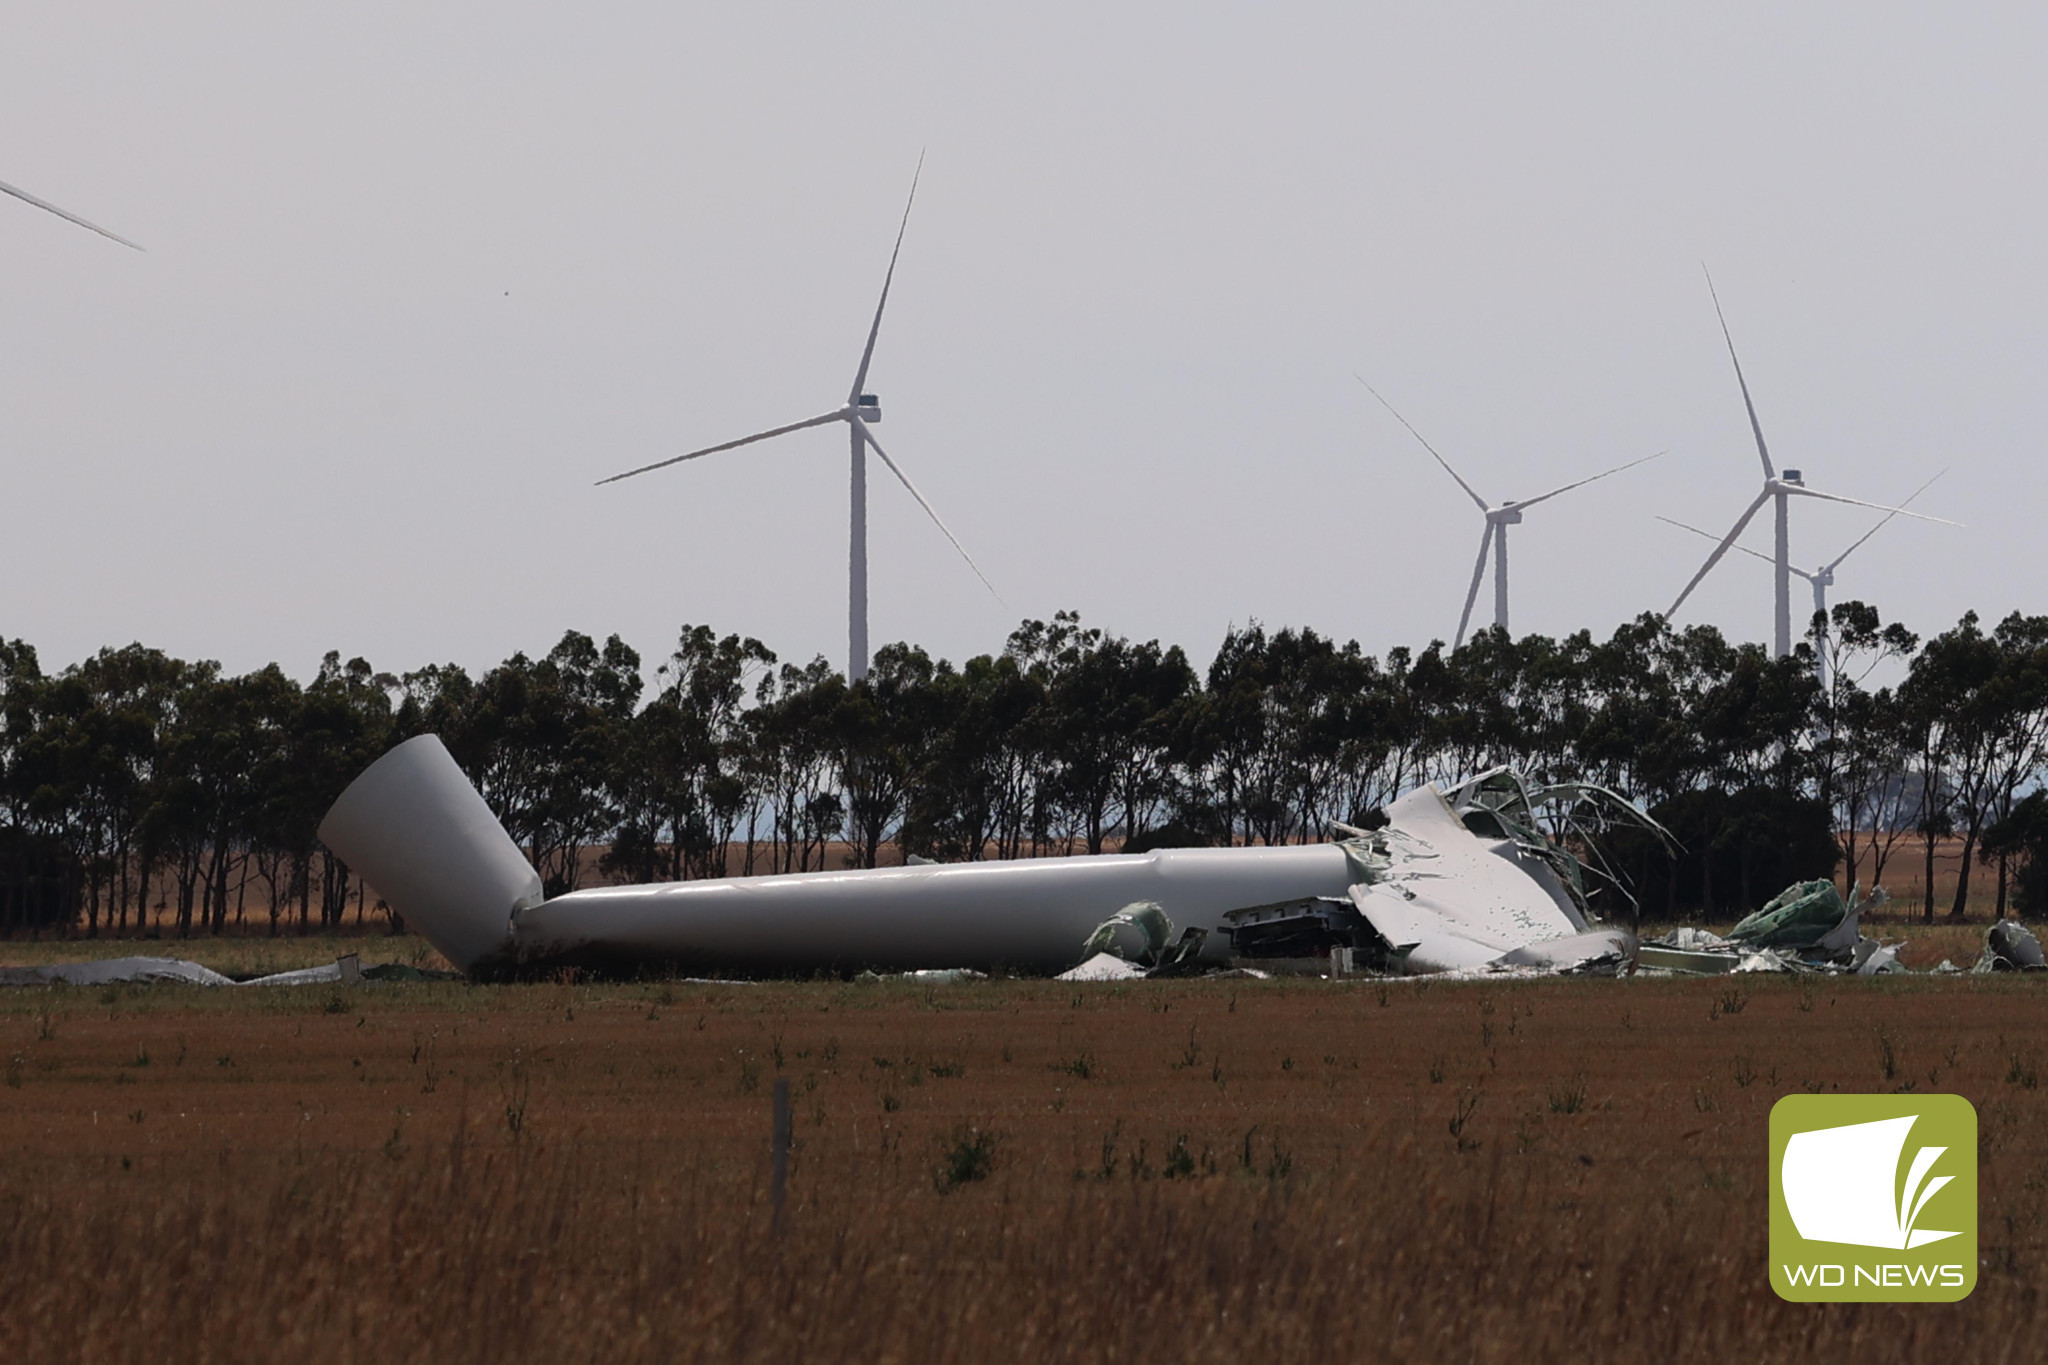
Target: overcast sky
417, 275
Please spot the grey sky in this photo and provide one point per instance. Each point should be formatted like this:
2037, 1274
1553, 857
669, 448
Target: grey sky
418, 274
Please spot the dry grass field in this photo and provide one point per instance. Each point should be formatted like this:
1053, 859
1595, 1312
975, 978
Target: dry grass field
1184, 1171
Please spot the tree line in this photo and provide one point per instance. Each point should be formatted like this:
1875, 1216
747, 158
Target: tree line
136, 787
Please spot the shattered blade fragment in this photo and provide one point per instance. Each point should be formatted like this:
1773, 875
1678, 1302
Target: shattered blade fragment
115, 971
1807, 927
1803, 915
1595, 952
155, 971
2010, 946
1147, 917
1455, 881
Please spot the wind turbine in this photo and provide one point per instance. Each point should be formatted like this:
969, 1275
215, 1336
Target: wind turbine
860, 410
28, 198
1498, 519
1781, 489
1823, 578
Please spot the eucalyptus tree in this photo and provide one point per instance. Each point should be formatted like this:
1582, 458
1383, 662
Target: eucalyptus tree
879, 732
129, 694
974, 794
343, 724
1861, 759
1238, 751
791, 754
542, 734
2019, 840
1978, 707
677, 776
1106, 722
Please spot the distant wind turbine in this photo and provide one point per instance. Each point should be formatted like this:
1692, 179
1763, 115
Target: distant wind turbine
45, 204
1781, 488
1823, 578
859, 411
1498, 519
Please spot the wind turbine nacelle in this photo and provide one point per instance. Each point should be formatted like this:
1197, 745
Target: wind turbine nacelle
1509, 516
1789, 476
870, 408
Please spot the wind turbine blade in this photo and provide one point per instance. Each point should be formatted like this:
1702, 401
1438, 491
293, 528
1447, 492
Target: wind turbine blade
904, 479
729, 445
28, 198
1753, 554
1478, 572
1836, 563
1531, 502
1761, 449
860, 377
1719, 550
1805, 492
1426, 445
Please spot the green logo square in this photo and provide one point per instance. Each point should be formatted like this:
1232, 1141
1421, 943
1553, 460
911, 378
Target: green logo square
1873, 1198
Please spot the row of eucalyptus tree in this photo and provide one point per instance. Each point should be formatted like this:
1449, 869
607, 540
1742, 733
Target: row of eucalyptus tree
138, 788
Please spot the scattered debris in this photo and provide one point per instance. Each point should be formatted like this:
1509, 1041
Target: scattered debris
1807, 927
1806, 915
128, 971
1304, 932
1147, 917
2010, 946
1184, 956
1103, 967
114, 971
1689, 951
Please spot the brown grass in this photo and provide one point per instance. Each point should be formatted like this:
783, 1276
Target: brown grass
1174, 1171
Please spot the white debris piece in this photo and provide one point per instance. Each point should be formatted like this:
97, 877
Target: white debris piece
115, 971
140, 971
1102, 967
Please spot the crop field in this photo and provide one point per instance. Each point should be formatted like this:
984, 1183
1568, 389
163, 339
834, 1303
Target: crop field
1019, 1170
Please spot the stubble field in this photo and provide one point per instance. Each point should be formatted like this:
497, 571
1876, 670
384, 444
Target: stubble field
992, 1170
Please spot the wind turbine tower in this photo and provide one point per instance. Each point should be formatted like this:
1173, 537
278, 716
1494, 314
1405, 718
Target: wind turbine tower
1779, 489
1823, 578
1498, 519
860, 411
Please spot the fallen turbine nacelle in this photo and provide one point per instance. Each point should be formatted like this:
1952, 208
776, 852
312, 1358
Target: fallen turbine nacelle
415, 829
